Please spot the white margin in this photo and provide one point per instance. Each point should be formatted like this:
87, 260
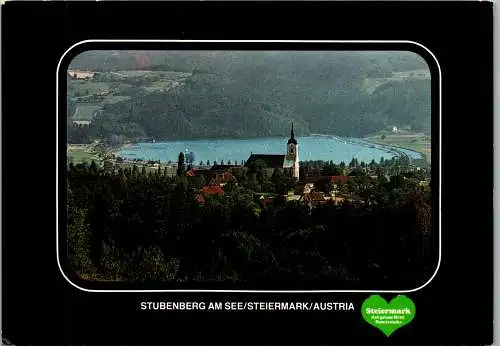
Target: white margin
245, 41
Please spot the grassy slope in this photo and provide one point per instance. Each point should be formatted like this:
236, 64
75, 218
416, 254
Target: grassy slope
405, 139
80, 154
81, 91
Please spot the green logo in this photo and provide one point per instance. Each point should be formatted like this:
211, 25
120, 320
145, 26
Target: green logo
388, 316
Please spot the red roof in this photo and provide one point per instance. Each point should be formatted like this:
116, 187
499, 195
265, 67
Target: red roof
190, 173
199, 198
212, 190
266, 201
339, 178
226, 177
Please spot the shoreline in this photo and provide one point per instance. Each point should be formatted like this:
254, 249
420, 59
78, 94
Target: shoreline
386, 146
116, 149
423, 155
395, 150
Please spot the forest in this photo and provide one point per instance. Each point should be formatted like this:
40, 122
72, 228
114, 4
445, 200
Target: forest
258, 94
129, 225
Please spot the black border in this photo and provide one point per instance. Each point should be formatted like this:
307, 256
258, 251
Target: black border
417, 48
39, 305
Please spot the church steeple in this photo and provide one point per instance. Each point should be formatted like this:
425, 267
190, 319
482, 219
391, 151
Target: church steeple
293, 154
292, 137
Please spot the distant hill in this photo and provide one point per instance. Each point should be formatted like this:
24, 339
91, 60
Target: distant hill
255, 94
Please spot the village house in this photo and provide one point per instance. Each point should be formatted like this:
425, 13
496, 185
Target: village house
208, 191
308, 188
338, 179
424, 183
212, 190
222, 178
335, 199
81, 74
309, 182
265, 201
199, 199
210, 177
313, 199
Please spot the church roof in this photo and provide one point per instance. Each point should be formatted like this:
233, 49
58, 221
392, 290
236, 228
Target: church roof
292, 137
271, 160
222, 167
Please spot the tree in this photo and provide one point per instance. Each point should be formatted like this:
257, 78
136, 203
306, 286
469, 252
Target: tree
258, 169
276, 176
108, 166
135, 170
341, 189
331, 170
354, 163
324, 185
93, 167
79, 242
180, 165
151, 228
285, 184
302, 172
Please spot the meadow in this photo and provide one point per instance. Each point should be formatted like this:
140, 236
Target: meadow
80, 154
107, 88
404, 139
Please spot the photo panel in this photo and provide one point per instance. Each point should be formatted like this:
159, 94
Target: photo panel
235, 168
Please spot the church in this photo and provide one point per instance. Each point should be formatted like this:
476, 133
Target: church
288, 163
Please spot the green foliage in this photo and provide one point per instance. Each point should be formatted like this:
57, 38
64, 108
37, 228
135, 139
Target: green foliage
79, 241
181, 167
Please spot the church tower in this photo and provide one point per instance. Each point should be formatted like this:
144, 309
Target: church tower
293, 154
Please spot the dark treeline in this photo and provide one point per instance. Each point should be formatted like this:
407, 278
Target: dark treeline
127, 224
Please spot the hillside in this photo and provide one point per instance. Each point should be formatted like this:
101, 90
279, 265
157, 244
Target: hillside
234, 94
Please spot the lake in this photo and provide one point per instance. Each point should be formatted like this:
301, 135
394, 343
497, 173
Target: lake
235, 150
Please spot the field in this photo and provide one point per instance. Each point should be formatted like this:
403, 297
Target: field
81, 122
168, 75
405, 139
79, 154
82, 88
372, 84
108, 88
162, 85
114, 99
85, 111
